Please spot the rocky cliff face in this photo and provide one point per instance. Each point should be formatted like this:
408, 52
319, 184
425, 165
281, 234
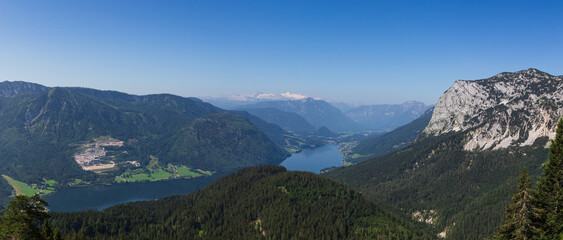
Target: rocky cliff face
509, 109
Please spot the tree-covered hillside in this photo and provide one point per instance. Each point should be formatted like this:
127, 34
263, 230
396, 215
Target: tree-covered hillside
255, 203
68, 136
289, 121
389, 142
460, 193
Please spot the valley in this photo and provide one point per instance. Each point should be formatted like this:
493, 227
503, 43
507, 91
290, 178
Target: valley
259, 120
163, 181
79, 137
462, 165
429, 170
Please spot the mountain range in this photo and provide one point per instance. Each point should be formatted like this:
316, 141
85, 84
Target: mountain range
452, 169
509, 109
318, 113
338, 117
461, 170
289, 121
386, 117
236, 101
71, 134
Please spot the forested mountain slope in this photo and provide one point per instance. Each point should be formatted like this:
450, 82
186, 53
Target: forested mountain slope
72, 134
287, 120
459, 174
459, 192
392, 141
265, 202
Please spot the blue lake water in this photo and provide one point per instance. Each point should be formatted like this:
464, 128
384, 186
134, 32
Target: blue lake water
313, 160
102, 196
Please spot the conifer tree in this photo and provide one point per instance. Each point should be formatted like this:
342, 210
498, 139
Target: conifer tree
22, 218
517, 224
57, 235
47, 230
549, 198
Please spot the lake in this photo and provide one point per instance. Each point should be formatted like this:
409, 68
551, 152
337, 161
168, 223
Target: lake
103, 196
314, 159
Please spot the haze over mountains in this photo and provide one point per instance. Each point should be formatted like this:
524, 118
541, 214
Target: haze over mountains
452, 168
319, 113
289, 121
386, 117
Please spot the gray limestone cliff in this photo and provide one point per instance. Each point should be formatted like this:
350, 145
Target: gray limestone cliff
509, 109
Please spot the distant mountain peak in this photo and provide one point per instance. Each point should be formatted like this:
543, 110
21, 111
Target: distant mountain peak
310, 99
17, 88
386, 117
279, 96
530, 74
531, 71
317, 112
269, 97
412, 102
508, 109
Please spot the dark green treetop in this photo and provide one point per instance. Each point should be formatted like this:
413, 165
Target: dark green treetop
517, 224
21, 217
549, 197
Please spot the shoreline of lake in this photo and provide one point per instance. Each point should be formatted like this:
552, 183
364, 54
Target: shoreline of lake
101, 196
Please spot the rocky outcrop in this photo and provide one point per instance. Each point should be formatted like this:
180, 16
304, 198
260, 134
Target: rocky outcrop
509, 109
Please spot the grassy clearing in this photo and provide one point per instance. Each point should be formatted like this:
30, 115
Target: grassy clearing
20, 187
355, 155
138, 177
292, 150
347, 164
47, 191
50, 183
160, 175
187, 172
154, 172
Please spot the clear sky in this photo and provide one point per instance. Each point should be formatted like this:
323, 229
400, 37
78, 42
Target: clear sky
352, 51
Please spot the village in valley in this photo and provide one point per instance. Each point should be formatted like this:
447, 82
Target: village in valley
91, 157
99, 156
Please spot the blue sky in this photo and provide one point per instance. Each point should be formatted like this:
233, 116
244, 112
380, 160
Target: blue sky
351, 51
